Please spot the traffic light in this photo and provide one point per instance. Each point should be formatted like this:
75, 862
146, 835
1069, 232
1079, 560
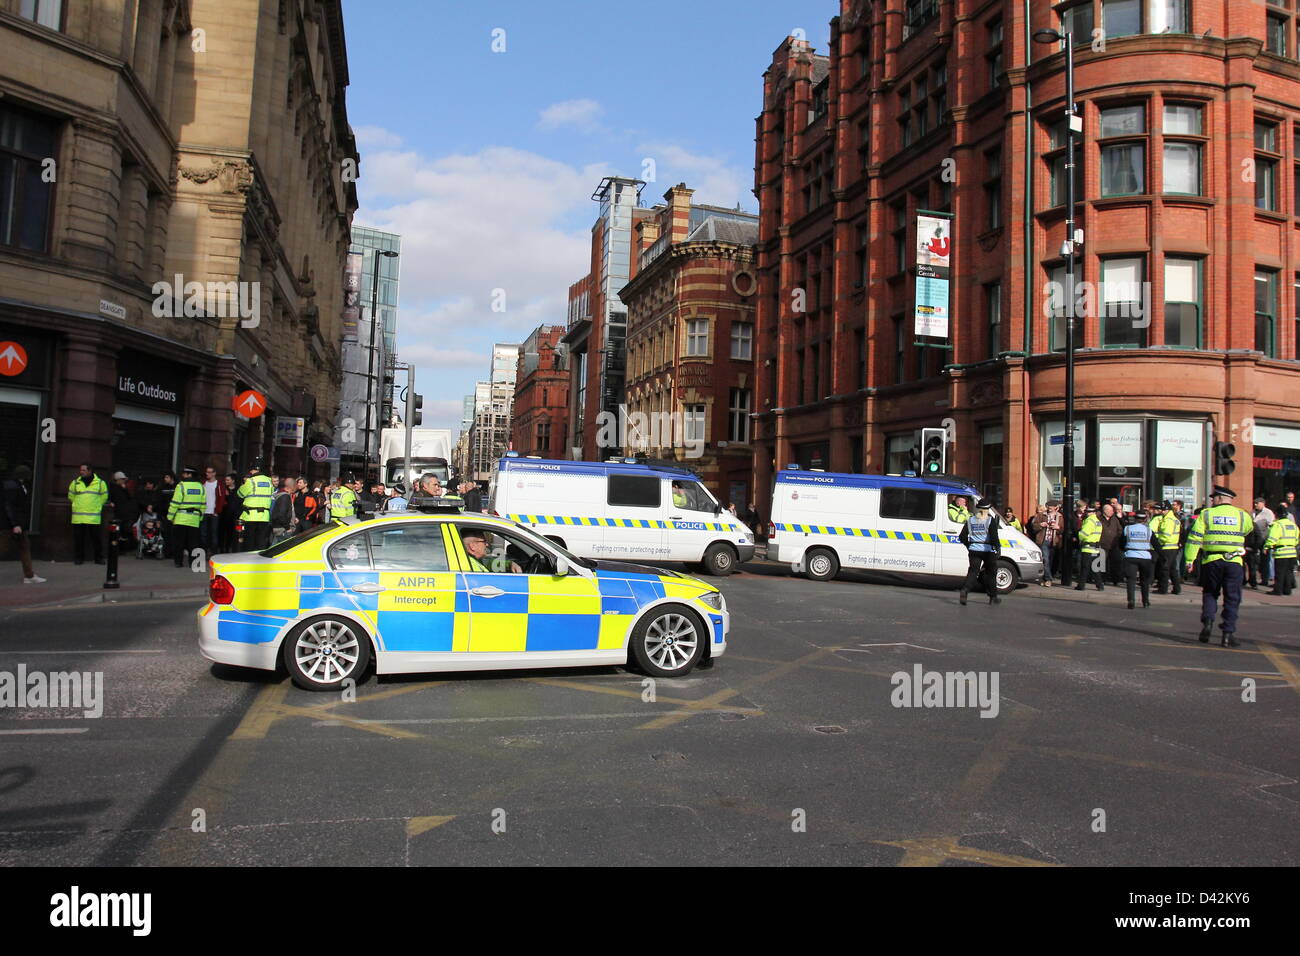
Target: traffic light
934, 450
1223, 452
417, 416
915, 459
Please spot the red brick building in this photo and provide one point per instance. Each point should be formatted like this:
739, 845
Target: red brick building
541, 408
1188, 200
690, 342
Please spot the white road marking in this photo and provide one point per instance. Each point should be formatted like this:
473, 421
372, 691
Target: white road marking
480, 720
36, 651
46, 730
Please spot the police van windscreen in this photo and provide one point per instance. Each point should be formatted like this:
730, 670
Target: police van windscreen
419, 467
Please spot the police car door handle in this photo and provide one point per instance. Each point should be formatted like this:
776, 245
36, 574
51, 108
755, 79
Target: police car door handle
488, 592
674, 517
368, 588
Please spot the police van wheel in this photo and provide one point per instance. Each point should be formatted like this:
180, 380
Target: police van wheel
322, 653
1006, 577
821, 564
668, 642
720, 560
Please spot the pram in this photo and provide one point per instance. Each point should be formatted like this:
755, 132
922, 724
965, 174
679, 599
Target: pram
149, 537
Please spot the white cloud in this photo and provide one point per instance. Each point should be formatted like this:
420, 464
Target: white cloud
426, 355
376, 137
580, 114
714, 180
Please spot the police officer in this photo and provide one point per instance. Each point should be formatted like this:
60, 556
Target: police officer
1089, 548
1168, 531
87, 494
345, 500
1282, 536
1219, 537
476, 546
957, 512
256, 492
1139, 564
185, 514
980, 534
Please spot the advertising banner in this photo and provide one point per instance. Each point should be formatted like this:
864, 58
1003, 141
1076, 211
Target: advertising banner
933, 251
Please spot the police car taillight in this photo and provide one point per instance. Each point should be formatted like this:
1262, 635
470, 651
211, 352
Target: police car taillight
221, 591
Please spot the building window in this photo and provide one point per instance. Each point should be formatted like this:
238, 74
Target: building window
738, 416
697, 337
1125, 315
900, 351
1170, 16
818, 109
900, 237
1123, 164
992, 446
864, 144
27, 140
1295, 298
993, 43
48, 13
993, 188
693, 425
993, 311
861, 258
1182, 303
1182, 159
1266, 164
1058, 298
742, 340
916, 14
543, 436
1078, 21
1056, 144
860, 352
1266, 312
1121, 18
1275, 33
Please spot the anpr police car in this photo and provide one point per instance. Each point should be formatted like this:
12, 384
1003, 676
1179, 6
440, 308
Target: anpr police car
415, 592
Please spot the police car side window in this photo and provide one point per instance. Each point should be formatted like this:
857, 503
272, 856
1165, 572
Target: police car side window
350, 554
907, 504
409, 547
634, 491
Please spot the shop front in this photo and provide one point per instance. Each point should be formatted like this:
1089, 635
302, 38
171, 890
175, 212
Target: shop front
25, 361
1276, 461
147, 417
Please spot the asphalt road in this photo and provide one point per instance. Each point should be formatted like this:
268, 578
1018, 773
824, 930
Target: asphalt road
1117, 739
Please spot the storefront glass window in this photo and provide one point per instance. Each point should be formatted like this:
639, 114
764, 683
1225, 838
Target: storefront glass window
1052, 457
991, 475
1276, 461
1180, 462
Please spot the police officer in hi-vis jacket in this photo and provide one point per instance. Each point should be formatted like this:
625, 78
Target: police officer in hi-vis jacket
256, 492
185, 514
1219, 537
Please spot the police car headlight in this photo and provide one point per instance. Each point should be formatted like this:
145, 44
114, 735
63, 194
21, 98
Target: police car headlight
713, 599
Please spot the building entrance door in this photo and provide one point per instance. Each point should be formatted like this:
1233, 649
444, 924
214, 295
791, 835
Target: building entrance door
1129, 493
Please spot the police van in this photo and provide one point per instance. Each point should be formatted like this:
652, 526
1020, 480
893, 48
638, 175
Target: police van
898, 524
621, 509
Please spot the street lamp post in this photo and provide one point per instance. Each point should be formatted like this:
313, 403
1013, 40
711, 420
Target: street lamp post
370, 360
1073, 125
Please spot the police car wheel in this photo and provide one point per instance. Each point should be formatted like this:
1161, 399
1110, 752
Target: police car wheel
720, 560
1006, 577
323, 652
668, 642
821, 564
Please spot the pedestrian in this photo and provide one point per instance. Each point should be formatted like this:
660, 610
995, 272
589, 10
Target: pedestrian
980, 534
1293, 507
1089, 549
750, 517
429, 487
397, 502
1139, 562
469, 490
166, 490
214, 501
1259, 561
16, 502
1218, 537
184, 515
283, 518
345, 501
88, 493
304, 506
1281, 546
1112, 543
256, 492
228, 537
125, 509
1048, 526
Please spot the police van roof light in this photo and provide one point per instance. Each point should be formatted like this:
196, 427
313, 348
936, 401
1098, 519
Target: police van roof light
512, 454
793, 466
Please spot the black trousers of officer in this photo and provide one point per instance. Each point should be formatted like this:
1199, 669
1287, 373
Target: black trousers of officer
1224, 577
185, 539
257, 535
1283, 575
983, 564
81, 533
1169, 569
1085, 572
1139, 570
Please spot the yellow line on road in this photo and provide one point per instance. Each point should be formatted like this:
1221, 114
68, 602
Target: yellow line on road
1283, 665
934, 851
624, 692
417, 825
264, 711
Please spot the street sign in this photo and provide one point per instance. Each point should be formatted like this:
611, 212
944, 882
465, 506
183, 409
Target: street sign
1057, 439
249, 403
319, 453
13, 358
289, 432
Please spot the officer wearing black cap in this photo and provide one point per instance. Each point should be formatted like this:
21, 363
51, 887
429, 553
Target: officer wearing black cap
1219, 537
980, 533
256, 492
1168, 531
185, 513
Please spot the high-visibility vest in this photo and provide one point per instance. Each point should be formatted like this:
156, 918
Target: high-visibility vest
1138, 540
1168, 530
1282, 537
1220, 532
87, 500
1090, 534
343, 502
187, 505
977, 532
957, 514
256, 492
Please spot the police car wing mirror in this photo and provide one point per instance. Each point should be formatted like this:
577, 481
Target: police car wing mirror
717, 509
561, 565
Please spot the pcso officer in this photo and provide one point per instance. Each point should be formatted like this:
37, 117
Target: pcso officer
185, 514
1282, 536
1219, 537
957, 512
87, 494
345, 499
1168, 531
980, 533
256, 492
1089, 548
1139, 564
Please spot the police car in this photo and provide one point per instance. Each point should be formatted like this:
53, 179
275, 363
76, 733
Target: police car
404, 592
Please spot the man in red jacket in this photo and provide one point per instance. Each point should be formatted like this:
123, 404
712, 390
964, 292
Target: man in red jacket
214, 492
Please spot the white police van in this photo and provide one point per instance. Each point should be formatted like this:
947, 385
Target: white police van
620, 509
823, 521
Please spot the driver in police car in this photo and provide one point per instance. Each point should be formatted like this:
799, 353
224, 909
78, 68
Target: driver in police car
476, 546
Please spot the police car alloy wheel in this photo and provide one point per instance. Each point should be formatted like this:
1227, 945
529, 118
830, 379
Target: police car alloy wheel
323, 652
821, 564
720, 560
1006, 577
668, 642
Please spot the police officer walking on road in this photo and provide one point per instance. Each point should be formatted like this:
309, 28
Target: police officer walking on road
1281, 543
256, 492
185, 514
980, 534
1219, 537
1139, 565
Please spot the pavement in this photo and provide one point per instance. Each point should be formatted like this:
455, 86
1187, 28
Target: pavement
139, 579
1113, 738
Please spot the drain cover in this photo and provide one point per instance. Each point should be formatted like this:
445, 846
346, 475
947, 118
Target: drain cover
831, 729
732, 716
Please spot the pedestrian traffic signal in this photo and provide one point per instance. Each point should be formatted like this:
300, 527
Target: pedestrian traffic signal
417, 416
934, 447
1223, 463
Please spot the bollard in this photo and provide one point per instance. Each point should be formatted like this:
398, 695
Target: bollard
239, 530
110, 566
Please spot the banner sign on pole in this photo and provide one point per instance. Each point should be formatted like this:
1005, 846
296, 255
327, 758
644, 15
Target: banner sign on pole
352, 295
933, 252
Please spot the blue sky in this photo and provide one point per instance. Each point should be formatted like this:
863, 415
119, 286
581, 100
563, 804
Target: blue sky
484, 162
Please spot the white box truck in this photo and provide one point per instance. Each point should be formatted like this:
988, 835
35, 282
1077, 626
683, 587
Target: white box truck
430, 452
